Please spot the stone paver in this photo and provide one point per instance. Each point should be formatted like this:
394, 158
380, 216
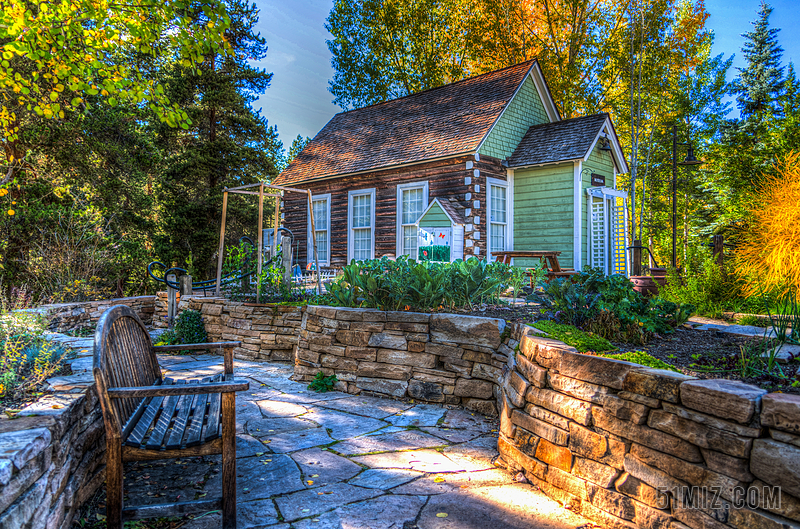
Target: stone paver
332, 460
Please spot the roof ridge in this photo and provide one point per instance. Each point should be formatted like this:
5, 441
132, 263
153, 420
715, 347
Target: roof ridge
447, 85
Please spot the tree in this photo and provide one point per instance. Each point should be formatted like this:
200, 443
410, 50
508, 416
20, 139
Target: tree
57, 55
385, 49
298, 144
227, 145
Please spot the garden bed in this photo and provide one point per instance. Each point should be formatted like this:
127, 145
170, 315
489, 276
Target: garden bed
709, 354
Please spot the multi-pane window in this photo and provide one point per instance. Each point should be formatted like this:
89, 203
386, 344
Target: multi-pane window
412, 201
322, 232
498, 217
362, 224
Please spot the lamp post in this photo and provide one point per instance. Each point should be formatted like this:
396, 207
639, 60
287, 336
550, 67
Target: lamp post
690, 161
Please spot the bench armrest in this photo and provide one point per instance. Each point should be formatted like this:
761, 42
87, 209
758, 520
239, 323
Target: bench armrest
195, 346
226, 386
227, 350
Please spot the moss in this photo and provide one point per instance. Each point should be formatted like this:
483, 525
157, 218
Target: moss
641, 358
580, 340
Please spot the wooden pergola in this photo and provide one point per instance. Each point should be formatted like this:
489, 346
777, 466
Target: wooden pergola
243, 190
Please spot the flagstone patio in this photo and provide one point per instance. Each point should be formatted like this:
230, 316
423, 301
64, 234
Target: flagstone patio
333, 460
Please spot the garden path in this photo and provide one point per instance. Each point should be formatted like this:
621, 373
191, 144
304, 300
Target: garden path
332, 460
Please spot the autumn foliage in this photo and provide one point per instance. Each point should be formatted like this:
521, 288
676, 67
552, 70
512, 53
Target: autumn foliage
770, 254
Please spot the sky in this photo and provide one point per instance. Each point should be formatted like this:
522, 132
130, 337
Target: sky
298, 101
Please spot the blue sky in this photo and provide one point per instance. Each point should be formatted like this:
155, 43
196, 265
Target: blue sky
298, 101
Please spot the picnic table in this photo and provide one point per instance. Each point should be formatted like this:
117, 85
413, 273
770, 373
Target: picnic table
554, 269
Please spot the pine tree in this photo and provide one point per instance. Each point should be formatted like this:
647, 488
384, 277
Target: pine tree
760, 82
227, 145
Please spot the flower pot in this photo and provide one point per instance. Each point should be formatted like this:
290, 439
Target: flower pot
645, 285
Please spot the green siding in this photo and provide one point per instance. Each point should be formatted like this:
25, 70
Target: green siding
544, 200
525, 109
435, 218
599, 162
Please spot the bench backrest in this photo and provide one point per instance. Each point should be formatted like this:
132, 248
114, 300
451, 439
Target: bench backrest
123, 357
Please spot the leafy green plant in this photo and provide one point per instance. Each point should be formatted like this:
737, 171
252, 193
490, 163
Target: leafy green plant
642, 358
786, 320
322, 384
580, 340
751, 320
27, 359
189, 328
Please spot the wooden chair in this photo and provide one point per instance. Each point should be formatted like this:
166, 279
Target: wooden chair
148, 417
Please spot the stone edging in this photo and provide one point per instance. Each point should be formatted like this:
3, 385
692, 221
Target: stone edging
67, 317
628, 446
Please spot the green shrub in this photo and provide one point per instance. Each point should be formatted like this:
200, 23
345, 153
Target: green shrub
406, 284
27, 359
751, 320
642, 358
610, 307
322, 384
189, 328
580, 340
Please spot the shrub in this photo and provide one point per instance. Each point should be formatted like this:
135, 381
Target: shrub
767, 255
751, 320
404, 283
642, 358
610, 307
189, 328
580, 340
27, 359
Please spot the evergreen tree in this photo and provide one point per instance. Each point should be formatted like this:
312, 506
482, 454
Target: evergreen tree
228, 144
760, 82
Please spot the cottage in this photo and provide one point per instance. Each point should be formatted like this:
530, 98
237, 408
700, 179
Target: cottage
478, 166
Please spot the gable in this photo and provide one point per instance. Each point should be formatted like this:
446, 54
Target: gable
435, 217
524, 111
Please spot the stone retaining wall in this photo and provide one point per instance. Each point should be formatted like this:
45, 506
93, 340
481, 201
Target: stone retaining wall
628, 446
443, 358
51, 460
267, 332
69, 317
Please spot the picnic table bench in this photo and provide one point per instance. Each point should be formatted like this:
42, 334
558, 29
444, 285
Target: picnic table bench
554, 269
148, 417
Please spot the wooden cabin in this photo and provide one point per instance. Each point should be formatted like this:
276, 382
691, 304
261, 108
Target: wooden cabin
487, 161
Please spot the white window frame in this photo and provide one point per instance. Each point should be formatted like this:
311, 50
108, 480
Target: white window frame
350, 241
509, 244
399, 224
309, 235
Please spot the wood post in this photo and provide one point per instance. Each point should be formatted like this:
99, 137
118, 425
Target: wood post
277, 226
286, 260
172, 300
719, 249
186, 285
114, 482
221, 254
637, 257
228, 447
260, 241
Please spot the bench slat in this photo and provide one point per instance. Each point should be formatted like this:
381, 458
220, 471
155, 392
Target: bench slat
179, 427
136, 438
160, 430
211, 431
195, 427
143, 404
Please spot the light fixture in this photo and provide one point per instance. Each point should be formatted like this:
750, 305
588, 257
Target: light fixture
605, 145
690, 159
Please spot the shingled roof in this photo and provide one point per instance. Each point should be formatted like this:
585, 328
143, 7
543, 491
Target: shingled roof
564, 140
440, 122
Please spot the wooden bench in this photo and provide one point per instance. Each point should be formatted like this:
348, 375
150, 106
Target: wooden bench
148, 417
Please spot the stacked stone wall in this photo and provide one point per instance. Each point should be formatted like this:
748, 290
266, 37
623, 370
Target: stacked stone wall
69, 317
633, 447
444, 358
51, 460
268, 332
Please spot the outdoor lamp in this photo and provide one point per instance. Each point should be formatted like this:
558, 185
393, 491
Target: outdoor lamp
690, 162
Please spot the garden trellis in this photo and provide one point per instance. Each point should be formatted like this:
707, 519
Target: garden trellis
244, 190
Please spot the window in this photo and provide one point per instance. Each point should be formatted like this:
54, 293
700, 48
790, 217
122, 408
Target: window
322, 229
361, 225
498, 216
412, 199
